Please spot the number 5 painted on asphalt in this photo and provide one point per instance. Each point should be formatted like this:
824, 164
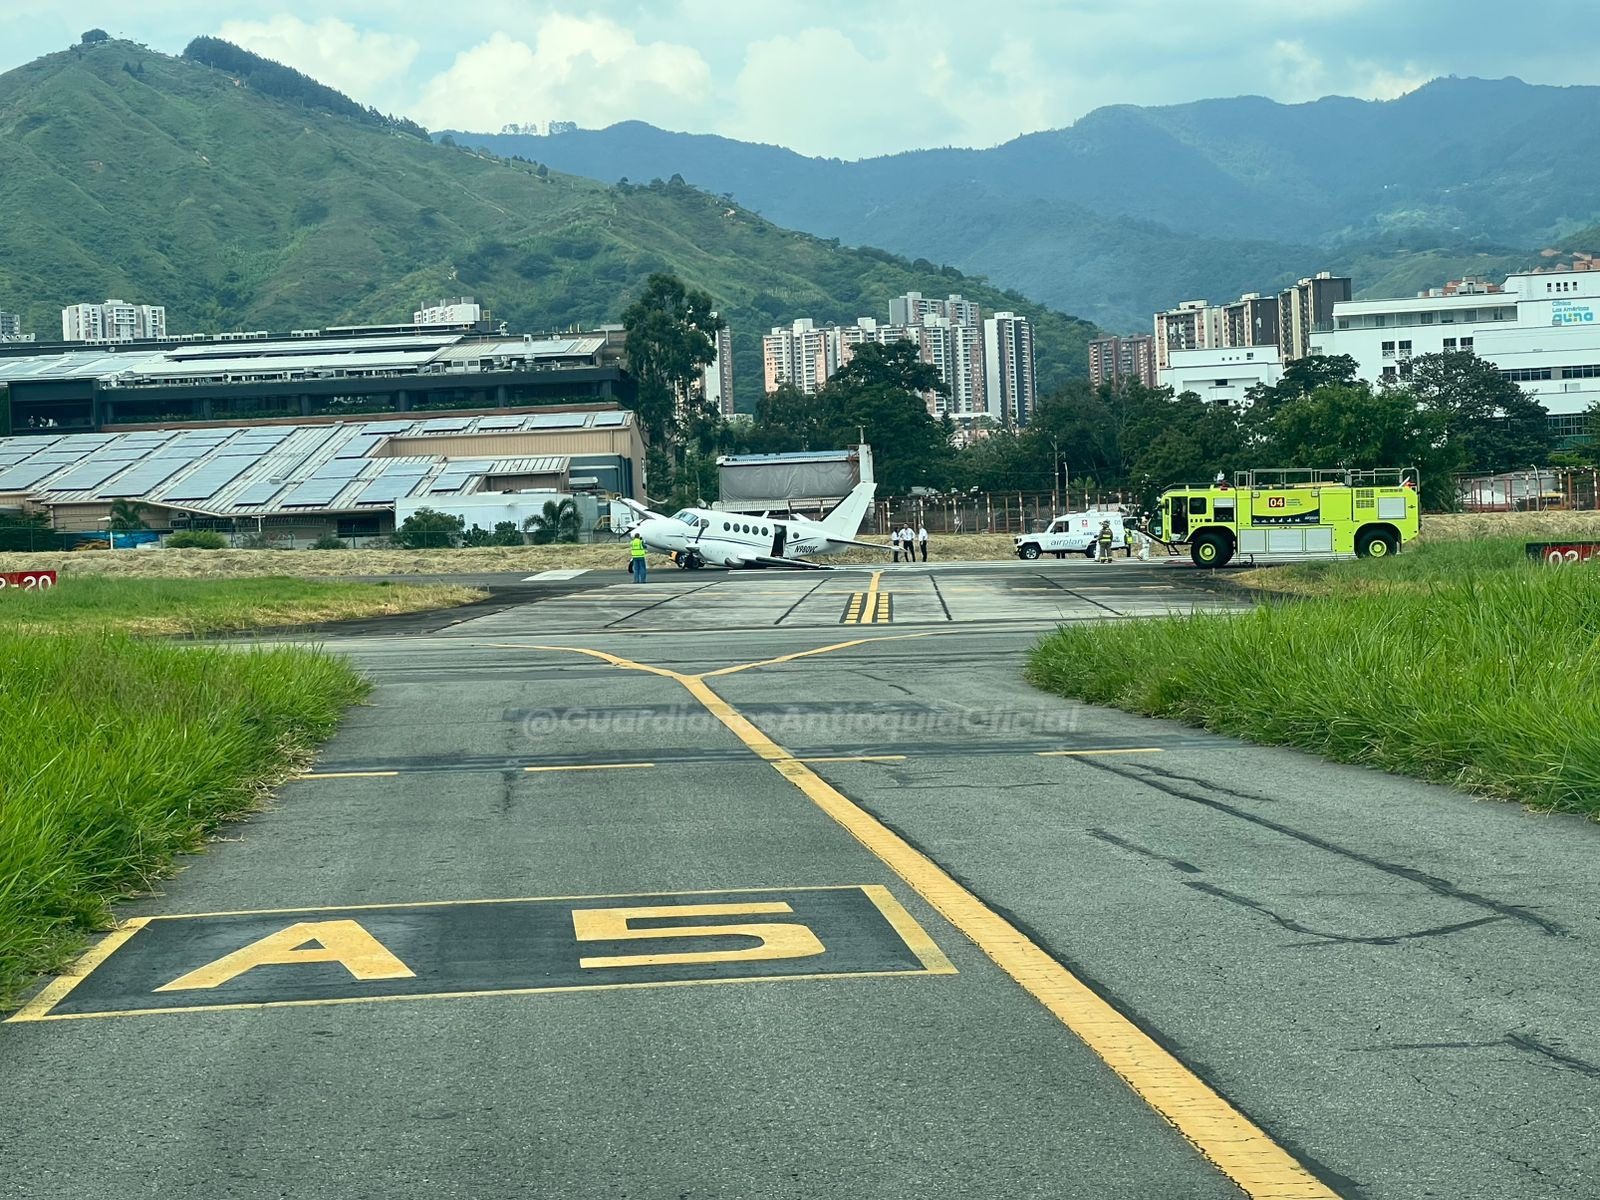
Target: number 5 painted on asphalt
612, 925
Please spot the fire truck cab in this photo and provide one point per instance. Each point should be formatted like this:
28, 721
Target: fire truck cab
1295, 512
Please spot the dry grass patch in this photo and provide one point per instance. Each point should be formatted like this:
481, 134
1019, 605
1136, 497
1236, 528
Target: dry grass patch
190, 606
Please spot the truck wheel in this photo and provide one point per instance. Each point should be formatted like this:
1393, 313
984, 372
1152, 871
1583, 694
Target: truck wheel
1211, 550
1375, 543
1028, 552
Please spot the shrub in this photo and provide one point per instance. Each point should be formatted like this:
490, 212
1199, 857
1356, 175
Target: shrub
329, 542
197, 539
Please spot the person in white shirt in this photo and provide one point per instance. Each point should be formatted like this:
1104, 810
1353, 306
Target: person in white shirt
908, 542
922, 539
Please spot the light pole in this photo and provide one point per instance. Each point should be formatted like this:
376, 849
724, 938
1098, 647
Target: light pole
111, 535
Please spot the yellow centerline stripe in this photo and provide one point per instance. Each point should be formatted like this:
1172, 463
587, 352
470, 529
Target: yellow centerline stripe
1233, 1143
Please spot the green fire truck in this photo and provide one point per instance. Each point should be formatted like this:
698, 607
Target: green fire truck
1292, 513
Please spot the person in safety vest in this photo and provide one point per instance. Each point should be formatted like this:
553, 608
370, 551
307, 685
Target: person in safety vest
636, 549
1127, 539
1105, 541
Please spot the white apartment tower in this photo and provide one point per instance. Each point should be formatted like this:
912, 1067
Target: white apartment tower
716, 380
113, 321
911, 308
1008, 364
800, 355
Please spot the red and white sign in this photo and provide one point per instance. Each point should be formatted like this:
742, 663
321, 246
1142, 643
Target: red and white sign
28, 581
1558, 554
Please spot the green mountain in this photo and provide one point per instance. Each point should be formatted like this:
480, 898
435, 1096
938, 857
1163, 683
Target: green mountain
131, 174
1131, 210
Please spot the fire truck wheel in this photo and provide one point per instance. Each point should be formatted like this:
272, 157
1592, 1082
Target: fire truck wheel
1210, 550
1375, 543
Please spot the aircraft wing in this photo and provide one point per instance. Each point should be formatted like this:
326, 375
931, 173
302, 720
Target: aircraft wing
844, 541
798, 564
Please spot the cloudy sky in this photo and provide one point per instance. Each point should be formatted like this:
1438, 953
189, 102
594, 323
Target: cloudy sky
846, 80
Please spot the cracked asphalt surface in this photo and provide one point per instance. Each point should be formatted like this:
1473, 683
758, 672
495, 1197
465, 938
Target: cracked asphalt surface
1394, 981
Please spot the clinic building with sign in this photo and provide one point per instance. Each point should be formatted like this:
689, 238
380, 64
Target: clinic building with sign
1541, 328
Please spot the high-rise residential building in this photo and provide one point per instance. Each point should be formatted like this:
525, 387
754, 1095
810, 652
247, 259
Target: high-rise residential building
800, 355
1115, 359
1251, 320
113, 321
956, 350
1193, 325
1008, 365
716, 380
1306, 309
911, 308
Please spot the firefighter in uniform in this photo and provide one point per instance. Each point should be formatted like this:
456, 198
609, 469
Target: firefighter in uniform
1105, 541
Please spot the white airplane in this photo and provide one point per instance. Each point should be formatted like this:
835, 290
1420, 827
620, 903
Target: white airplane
696, 536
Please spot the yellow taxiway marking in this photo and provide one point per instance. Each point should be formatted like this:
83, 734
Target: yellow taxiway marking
349, 775
870, 607
594, 767
1091, 753
54, 992
1233, 1143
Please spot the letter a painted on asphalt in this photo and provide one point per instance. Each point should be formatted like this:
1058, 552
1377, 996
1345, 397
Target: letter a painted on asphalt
343, 942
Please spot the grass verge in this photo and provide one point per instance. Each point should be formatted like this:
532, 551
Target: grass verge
1461, 663
198, 606
117, 754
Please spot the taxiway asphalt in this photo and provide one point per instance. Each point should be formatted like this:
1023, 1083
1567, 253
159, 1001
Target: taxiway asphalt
764, 885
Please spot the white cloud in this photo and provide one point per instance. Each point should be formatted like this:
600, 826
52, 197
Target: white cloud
585, 69
359, 63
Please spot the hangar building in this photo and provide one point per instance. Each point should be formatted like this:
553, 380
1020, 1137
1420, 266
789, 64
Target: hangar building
297, 482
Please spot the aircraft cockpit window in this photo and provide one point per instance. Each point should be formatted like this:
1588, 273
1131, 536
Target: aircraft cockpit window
687, 517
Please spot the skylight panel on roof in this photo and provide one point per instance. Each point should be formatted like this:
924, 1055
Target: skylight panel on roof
259, 493
210, 479
314, 493
445, 424
143, 478
386, 489
558, 421
20, 479
511, 422
448, 483
609, 420
359, 446
90, 475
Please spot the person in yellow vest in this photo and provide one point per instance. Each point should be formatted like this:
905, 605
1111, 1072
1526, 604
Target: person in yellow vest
636, 549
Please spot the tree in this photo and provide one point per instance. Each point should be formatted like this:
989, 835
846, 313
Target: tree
1302, 376
1351, 426
28, 531
1489, 419
127, 516
670, 339
93, 37
558, 522
428, 528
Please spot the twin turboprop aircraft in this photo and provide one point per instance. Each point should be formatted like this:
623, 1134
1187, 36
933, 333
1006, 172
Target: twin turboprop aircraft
697, 536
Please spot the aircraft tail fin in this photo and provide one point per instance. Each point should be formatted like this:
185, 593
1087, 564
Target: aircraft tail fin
844, 522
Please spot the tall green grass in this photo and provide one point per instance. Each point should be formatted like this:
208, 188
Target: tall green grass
117, 754
1464, 665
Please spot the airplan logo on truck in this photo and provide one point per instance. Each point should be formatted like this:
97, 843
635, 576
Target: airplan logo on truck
1565, 312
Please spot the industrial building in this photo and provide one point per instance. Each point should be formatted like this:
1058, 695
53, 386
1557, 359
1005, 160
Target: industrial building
247, 377
297, 482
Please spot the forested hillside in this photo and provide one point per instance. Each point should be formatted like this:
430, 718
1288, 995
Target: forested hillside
155, 179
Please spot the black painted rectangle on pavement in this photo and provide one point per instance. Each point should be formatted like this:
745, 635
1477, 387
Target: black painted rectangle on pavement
310, 956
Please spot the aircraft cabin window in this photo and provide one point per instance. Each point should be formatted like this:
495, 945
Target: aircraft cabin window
726, 526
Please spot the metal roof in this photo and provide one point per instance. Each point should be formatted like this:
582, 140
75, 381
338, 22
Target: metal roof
255, 471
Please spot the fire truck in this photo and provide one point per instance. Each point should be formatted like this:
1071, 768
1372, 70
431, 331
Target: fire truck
1296, 512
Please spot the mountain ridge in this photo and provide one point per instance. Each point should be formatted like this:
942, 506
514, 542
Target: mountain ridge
124, 172
1460, 167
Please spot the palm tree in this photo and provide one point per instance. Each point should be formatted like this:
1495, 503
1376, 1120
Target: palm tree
558, 523
127, 515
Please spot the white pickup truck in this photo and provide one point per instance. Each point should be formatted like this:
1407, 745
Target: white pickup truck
1075, 533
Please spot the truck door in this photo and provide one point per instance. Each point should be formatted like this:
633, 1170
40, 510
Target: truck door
1177, 518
